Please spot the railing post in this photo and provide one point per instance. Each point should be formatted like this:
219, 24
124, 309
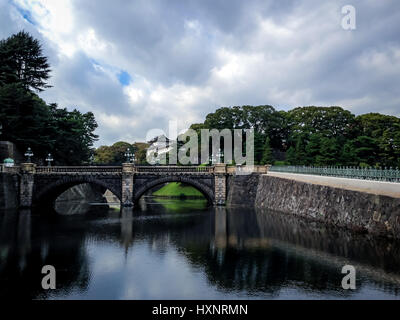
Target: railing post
128, 173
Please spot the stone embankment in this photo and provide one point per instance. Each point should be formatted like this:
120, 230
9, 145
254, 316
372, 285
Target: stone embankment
358, 206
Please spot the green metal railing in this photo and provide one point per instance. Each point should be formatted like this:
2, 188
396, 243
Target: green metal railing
380, 174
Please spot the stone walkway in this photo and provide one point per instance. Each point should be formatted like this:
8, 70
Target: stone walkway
391, 189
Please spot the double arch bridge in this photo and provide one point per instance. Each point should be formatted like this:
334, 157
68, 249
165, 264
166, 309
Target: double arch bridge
128, 182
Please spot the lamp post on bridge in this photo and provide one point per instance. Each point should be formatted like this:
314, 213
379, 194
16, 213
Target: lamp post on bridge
28, 154
130, 156
220, 155
49, 159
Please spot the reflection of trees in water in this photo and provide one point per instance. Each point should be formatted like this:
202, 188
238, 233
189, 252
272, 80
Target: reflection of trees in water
360, 248
238, 249
239, 259
261, 251
27, 245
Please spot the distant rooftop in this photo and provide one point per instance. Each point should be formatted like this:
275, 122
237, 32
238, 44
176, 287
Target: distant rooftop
160, 138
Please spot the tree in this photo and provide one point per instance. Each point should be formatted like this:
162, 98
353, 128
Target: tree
264, 119
74, 135
384, 134
348, 155
115, 154
27, 120
366, 150
314, 135
267, 157
313, 149
140, 152
328, 121
317, 134
21, 61
103, 155
329, 152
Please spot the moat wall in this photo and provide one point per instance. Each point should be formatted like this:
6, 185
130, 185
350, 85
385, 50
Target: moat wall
358, 211
8, 191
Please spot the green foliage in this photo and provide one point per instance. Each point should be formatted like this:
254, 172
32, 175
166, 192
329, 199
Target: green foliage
26, 119
140, 149
281, 163
267, 153
22, 62
182, 206
320, 136
115, 154
383, 134
177, 189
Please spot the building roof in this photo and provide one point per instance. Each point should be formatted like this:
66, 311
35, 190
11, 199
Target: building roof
161, 138
8, 160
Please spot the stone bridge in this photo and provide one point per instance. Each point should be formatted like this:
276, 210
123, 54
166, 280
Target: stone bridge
128, 182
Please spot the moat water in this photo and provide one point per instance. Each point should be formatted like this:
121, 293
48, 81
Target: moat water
173, 249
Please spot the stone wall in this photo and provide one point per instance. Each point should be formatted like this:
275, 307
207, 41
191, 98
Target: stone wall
8, 191
358, 211
242, 189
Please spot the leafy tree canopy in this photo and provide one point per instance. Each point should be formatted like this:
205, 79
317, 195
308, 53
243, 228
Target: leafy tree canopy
26, 119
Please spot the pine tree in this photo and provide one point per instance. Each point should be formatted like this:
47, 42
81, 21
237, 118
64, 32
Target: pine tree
267, 157
21, 61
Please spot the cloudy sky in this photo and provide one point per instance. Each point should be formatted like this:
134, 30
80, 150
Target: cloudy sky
139, 64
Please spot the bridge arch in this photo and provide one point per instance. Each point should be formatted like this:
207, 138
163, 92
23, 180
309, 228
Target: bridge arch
49, 192
204, 189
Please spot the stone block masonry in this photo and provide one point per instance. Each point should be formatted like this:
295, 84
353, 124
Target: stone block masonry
220, 189
358, 211
40, 185
26, 185
220, 184
242, 189
128, 171
378, 214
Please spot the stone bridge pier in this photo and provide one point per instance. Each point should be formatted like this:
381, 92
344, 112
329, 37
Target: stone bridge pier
128, 181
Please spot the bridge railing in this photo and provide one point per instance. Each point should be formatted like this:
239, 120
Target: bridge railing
369, 173
13, 169
91, 169
161, 169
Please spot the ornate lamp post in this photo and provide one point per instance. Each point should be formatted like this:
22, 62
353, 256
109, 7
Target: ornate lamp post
129, 156
28, 154
220, 155
49, 159
214, 158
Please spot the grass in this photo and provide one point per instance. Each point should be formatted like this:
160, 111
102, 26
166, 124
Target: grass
182, 206
177, 189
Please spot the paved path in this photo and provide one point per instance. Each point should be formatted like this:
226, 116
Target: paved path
391, 189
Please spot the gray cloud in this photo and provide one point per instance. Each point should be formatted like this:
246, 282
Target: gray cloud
187, 58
